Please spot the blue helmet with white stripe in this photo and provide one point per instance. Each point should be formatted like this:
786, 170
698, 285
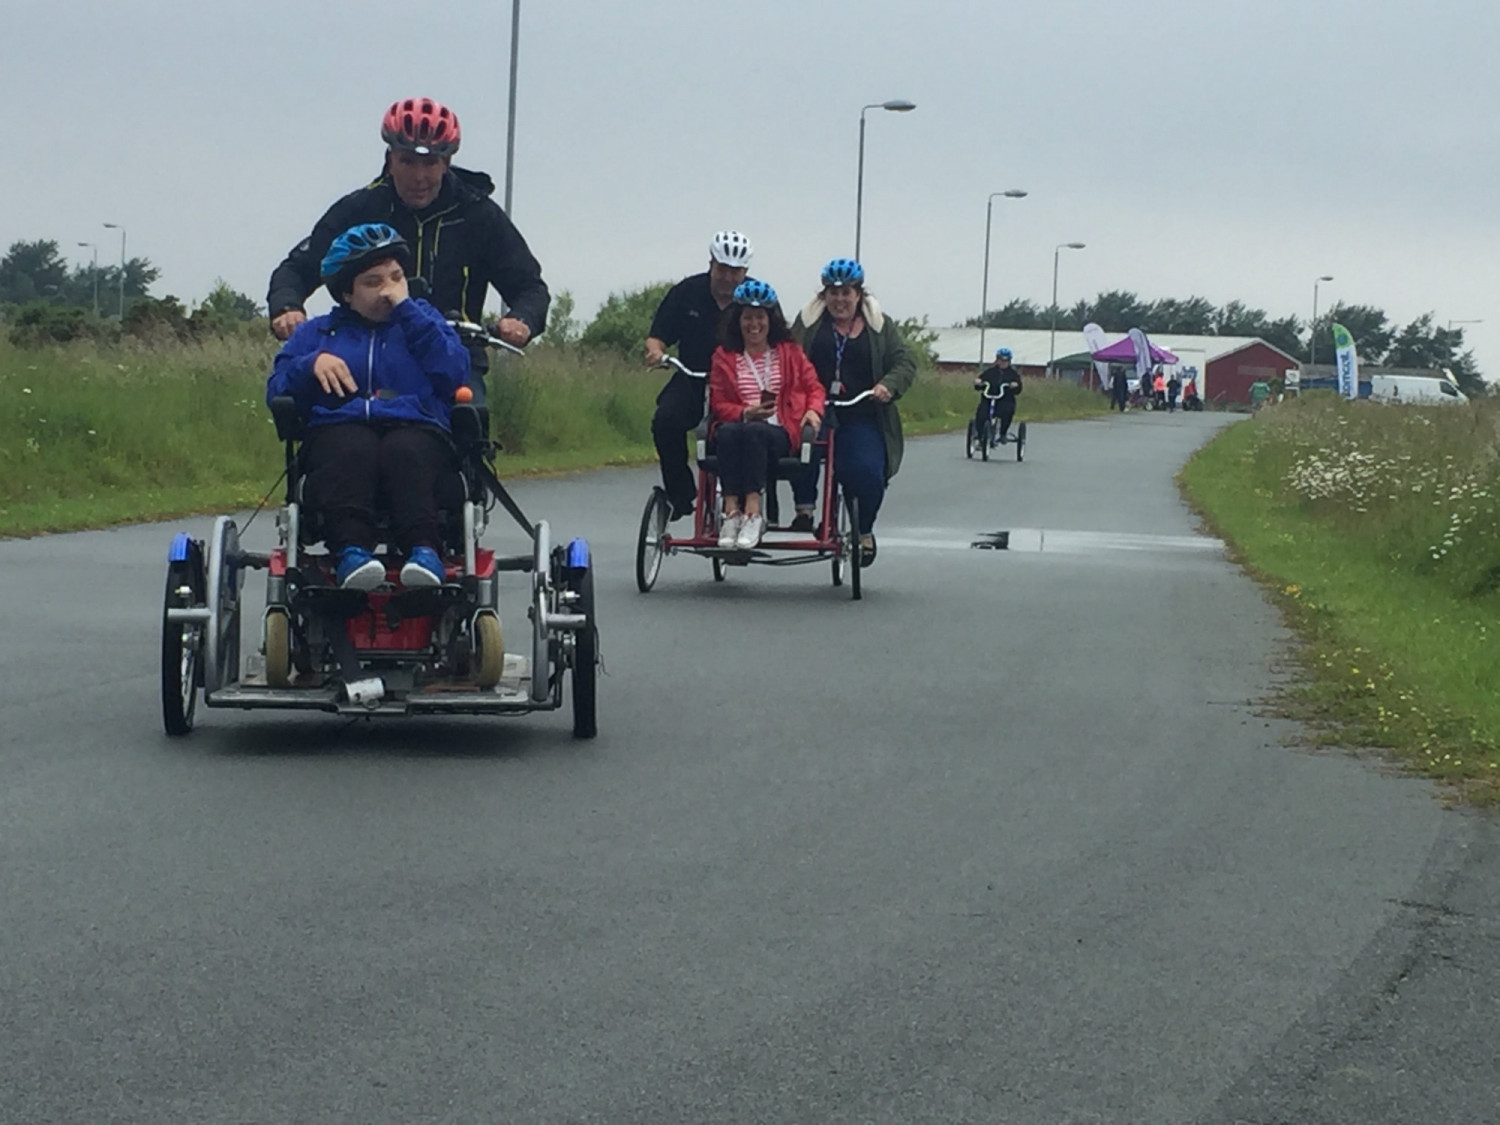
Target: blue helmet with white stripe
356, 250
755, 294
843, 271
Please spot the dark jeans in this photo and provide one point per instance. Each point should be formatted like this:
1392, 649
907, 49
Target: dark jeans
859, 465
679, 409
1003, 408
745, 451
354, 468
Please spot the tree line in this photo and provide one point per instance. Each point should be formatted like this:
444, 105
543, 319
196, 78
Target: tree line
45, 300
1423, 343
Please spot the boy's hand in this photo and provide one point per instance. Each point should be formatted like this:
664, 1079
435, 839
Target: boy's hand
333, 375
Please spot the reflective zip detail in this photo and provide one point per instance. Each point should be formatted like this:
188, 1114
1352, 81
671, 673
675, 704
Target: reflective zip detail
420, 225
463, 295
370, 375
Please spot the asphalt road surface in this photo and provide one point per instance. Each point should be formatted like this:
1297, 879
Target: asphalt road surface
1010, 840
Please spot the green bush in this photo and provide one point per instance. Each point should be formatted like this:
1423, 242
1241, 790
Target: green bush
624, 319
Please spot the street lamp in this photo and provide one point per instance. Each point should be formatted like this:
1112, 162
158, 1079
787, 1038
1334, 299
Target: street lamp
896, 105
118, 227
984, 300
1052, 346
1312, 332
510, 128
95, 247
1451, 323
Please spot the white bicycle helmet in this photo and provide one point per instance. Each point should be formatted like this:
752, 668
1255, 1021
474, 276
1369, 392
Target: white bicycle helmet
731, 248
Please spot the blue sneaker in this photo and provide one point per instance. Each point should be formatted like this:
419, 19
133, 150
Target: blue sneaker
359, 570
423, 569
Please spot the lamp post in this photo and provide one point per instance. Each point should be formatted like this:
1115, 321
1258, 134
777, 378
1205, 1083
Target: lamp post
121, 229
1451, 323
984, 299
510, 128
95, 247
896, 105
1052, 345
1312, 332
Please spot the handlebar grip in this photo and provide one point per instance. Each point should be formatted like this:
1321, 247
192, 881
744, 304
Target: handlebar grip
809, 435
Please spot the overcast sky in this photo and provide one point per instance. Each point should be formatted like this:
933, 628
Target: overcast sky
1222, 148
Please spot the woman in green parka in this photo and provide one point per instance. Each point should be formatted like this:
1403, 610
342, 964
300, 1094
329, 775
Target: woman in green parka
855, 347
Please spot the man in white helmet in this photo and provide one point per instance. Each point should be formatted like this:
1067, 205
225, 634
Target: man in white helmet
688, 316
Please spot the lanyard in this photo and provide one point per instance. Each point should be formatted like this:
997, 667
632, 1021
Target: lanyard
762, 379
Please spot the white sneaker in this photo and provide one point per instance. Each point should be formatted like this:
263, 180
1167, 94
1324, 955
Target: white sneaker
729, 531
750, 532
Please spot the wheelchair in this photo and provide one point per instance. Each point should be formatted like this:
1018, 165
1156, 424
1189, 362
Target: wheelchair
389, 651
834, 539
985, 436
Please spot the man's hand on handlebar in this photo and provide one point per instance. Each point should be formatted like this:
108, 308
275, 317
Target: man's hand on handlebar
655, 349
881, 392
514, 332
333, 375
284, 324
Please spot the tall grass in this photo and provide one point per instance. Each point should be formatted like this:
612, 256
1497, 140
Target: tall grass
1378, 530
96, 434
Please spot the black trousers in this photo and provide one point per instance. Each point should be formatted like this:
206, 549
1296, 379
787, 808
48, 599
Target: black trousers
679, 409
746, 450
1004, 409
355, 468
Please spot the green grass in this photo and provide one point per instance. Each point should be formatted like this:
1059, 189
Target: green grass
1378, 533
93, 436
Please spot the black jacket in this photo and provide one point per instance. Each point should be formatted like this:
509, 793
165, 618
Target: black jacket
994, 378
462, 243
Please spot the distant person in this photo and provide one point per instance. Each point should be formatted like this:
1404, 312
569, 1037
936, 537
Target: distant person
461, 242
1190, 399
689, 317
1159, 389
998, 379
1174, 388
1119, 389
1260, 391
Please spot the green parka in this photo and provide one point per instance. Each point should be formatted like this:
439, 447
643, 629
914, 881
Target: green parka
890, 357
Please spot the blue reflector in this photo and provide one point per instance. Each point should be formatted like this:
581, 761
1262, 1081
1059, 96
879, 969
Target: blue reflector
578, 554
182, 543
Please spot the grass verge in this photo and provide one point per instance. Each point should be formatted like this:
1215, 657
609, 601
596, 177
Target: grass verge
1396, 650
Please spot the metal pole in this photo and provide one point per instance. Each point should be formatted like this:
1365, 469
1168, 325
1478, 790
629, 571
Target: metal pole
859, 196
984, 300
1312, 332
1052, 345
121, 229
510, 130
95, 247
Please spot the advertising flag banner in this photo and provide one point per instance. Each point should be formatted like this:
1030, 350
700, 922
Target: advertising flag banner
1347, 361
1097, 341
1142, 358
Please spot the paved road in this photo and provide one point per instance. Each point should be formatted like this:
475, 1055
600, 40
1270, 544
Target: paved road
1009, 841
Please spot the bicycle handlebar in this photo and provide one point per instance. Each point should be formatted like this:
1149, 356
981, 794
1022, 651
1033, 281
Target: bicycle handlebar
468, 330
667, 362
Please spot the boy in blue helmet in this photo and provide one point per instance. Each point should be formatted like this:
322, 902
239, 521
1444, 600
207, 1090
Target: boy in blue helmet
991, 380
373, 381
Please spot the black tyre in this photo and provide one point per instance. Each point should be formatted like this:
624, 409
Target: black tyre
181, 646
856, 555
842, 532
721, 570
984, 440
585, 659
649, 549
1021, 441
969, 441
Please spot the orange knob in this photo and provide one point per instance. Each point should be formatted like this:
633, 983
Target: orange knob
463, 394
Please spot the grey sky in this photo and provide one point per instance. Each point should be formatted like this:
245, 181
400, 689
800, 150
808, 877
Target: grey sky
1223, 148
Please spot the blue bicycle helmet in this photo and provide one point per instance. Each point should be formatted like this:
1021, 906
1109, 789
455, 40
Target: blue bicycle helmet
843, 271
356, 250
755, 294
1002, 353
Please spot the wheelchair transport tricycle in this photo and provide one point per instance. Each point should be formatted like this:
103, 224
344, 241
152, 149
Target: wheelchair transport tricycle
834, 539
388, 651
985, 435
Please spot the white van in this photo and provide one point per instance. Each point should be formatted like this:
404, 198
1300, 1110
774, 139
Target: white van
1415, 390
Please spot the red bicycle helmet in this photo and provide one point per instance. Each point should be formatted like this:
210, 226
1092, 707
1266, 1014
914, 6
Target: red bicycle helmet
421, 125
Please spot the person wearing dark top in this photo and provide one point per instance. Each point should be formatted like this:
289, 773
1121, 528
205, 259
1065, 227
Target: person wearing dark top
688, 317
990, 380
855, 347
461, 241
1174, 388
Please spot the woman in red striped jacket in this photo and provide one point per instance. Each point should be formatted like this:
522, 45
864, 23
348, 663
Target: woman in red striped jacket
761, 392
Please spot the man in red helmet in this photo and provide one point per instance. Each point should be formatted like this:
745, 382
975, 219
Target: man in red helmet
461, 241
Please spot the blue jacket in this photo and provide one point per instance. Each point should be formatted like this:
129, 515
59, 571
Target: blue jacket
407, 368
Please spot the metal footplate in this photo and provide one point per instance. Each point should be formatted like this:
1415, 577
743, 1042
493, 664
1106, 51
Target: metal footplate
374, 696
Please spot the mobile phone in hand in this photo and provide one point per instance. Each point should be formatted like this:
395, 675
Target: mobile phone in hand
768, 398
